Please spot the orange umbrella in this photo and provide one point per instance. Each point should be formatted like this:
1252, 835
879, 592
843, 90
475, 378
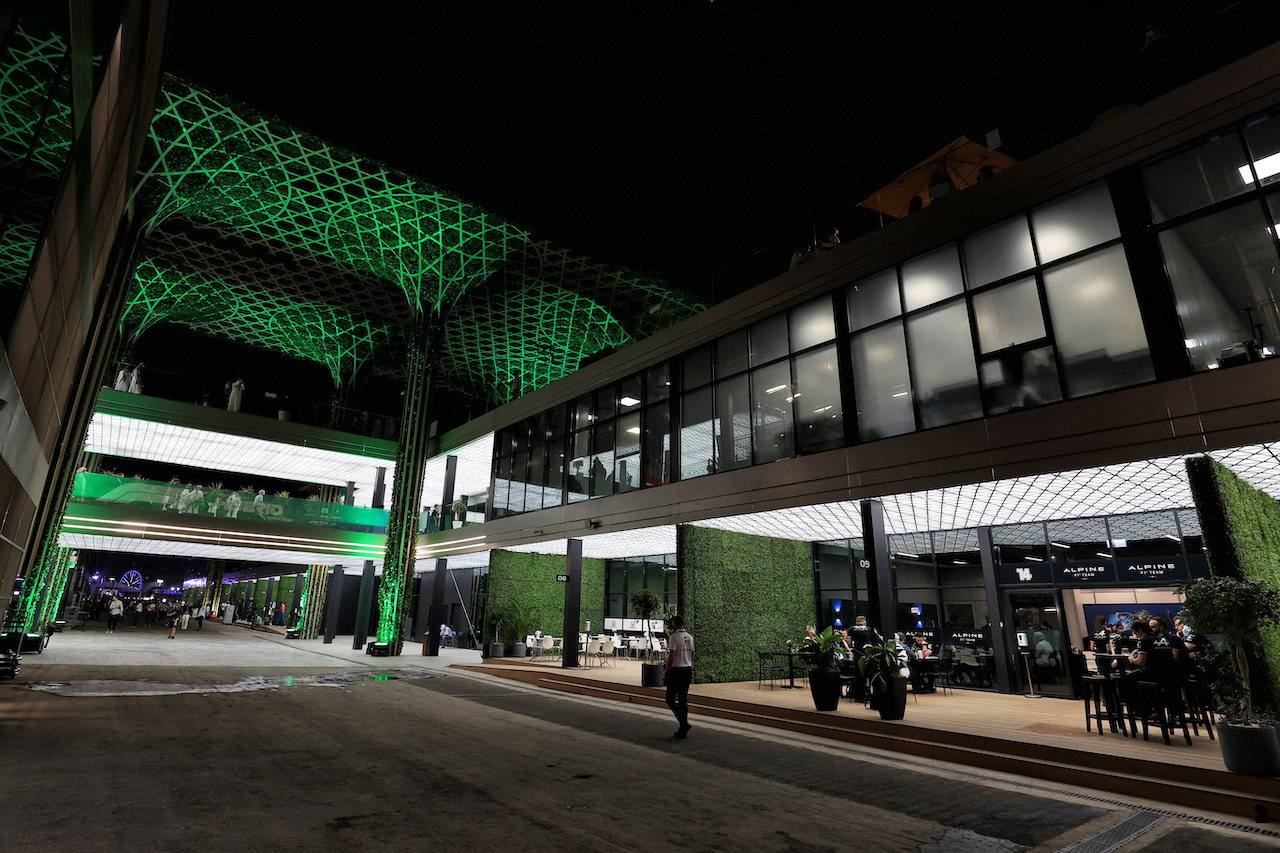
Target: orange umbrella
963, 163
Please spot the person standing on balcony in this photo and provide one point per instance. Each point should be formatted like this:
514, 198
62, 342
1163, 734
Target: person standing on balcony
122, 379
233, 504
235, 393
135, 380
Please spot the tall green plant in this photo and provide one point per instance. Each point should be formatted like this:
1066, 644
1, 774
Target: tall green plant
1237, 609
646, 604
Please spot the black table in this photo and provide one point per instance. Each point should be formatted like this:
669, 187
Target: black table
792, 654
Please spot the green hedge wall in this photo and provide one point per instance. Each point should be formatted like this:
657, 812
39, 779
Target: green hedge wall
530, 579
741, 594
1241, 528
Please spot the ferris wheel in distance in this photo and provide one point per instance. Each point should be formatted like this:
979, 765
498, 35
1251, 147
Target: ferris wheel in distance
132, 579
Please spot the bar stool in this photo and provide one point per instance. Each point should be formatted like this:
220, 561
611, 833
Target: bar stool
1104, 695
1163, 701
1199, 707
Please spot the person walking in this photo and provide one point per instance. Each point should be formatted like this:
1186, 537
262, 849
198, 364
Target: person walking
186, 617
200, 611
172, 618
679, 673
137, 613
114, 611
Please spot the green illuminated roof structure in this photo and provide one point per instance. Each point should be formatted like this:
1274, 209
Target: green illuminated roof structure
269, 236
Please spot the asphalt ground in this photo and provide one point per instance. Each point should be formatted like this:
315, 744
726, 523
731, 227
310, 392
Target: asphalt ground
374, 758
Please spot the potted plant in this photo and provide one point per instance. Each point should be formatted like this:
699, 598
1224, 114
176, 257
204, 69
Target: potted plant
1237, 609
881, 666
497, 620
824, 675
646, 604
517, 621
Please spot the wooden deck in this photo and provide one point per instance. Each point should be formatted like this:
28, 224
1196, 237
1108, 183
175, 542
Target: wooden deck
1043, 738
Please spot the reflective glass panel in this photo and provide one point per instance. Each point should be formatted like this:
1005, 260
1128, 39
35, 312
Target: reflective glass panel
579, 472
931, 278
769, 340
733, 424
1073, 224
656, 451
957, 557
1019, 543
554, 495
812, 323
697, 438
556, 420
629, 395
1197, 178
657, 382
1078, 539
582, 412
695, 367
519, 482
1019, 379
537, 478
881, 383
602, 460
606, 403
772, 430
1263, 138
1220, 266
946, 377
873, 300
1145, 534
731, 354
627, 439
1096, 323
1008, 315
819, 412
998, 252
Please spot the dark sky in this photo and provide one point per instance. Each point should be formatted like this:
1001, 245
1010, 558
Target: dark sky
681, 138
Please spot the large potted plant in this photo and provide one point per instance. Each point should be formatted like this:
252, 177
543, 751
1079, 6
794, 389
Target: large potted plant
881, 666
1237, 609
646, 604
824, 675
517, 622
497, 620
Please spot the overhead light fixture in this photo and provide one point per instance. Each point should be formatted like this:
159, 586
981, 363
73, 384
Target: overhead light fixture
1174, 538
1103, 554
905, 554
774, 388
634, 430
628, 400
1035, 559
902, 393
1060, 544
1189, 343
1266, 167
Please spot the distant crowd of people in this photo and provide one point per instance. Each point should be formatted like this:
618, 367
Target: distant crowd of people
147, 613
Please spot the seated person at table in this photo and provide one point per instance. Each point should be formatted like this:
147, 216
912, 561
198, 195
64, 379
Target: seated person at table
1152, 660
908, 658
862, 635
1174, 642
1100, 641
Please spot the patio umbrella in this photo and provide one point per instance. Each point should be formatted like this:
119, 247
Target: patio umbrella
962, 163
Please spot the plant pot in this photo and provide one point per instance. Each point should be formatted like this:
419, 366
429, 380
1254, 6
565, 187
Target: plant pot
651, 674
518, 650
496, 650
1250, 750
891, 702
824, 685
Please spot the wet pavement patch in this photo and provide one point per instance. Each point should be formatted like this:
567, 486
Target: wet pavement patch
245, 685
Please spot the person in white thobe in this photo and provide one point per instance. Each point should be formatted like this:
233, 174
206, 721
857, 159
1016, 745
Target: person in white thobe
235, 393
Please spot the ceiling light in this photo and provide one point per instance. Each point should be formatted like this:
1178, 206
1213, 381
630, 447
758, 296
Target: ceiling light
902, 393
1174, 538
1103, 554
634, 430
905, 554
1189, 343
628, 400
1060, 544
774, 388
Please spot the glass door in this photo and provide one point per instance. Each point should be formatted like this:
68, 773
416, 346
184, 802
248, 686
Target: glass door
1040, 642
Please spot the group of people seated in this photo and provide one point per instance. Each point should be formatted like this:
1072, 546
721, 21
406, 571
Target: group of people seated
916, 658
1155, 653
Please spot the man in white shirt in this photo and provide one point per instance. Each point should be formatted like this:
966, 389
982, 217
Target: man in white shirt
679, 673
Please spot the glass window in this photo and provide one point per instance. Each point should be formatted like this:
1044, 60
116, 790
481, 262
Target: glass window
1020, 379
1263, 138
1008, 315
873, 300
579, 473
1019, 543
606, 403
697, 439
556, 421
911, 559
629, 394
521, 432
918, 613
1191, 536
931, 278
602, 482
733, 424
998, 252
881, 383
537, 477
519, 482
769, 340
555, 473
1197, 178
582, 412
657, 382
1073, 224
1223, 269
656, 452
1078, 539
965, 609
771, 426
626, 465
695, 367
946, 378
1145, 534
812, 323
819, 411
731, 354
1096, 323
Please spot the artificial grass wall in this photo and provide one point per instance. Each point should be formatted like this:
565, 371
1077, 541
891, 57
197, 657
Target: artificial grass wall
741, 594
530, 579
1241, 529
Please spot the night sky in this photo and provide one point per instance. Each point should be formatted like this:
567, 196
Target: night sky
682, 139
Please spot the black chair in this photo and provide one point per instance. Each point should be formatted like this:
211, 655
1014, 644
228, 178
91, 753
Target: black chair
1103, 694
1199, 706
770, 669
1161, 703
